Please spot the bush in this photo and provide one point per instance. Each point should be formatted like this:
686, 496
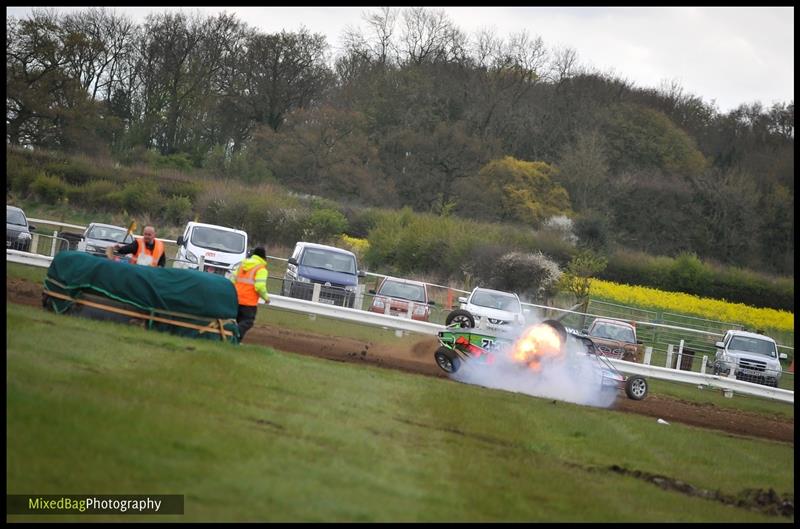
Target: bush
592, 231
178, 209
96, 194
324, 224
531, 275
48, 188
141, 196
20, 174
180, 161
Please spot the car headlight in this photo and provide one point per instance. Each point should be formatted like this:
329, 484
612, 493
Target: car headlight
420, 309
24, 235
378, 303
191, 257
90, 248
350, 288
302, 279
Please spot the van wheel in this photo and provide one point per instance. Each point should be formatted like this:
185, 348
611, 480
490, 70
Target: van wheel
460, 317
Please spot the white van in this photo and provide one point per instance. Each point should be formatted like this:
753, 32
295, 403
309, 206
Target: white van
219, 248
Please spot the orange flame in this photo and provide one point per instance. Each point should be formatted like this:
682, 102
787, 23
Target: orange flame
536, 343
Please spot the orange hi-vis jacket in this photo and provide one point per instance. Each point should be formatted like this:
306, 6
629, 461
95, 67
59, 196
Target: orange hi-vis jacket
143, 256
250, 280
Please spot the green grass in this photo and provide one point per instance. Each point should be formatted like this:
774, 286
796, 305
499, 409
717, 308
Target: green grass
249, 433
338, 328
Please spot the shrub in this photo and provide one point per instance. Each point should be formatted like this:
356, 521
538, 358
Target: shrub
20, 174
562, 227
141, 196
530, 275
324, 224
48, 188
178, 209
180, 161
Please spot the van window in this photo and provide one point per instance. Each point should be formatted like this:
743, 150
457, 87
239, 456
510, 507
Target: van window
328, 260
219, 240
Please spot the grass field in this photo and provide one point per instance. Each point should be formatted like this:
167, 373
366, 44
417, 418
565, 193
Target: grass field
338, 328
248, 433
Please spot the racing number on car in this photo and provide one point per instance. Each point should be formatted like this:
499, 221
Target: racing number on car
487, 344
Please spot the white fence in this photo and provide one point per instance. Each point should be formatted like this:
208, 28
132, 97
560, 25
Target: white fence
728, 385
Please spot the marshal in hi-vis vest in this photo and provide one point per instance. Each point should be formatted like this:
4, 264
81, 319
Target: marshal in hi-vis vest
145, 257
245, 285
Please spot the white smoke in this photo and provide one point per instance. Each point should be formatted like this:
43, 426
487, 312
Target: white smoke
573, 377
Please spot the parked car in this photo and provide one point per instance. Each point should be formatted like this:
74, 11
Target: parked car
18, 230
221, 247
501, 310
334, 269
753, 357
97, 237
397, 294
615, 339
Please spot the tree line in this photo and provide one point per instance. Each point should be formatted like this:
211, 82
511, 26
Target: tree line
413, 112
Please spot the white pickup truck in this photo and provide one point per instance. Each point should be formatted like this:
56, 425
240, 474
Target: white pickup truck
753, 358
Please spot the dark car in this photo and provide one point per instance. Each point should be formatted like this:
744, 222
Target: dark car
18, 231
334, 269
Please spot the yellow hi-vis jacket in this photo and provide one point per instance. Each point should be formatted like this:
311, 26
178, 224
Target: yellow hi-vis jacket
246, 284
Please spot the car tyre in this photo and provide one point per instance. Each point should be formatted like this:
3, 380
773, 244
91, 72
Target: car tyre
462, 318
447, 361
636, 388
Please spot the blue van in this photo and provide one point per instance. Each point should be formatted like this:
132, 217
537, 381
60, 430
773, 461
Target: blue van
336, 271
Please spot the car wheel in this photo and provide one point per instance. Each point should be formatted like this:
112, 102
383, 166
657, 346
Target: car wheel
447, 361
636, 388
461, 318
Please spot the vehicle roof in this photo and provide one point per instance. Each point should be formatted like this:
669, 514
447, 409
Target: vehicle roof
749, 334
407, 281
13, 207
494, 291
204, 225
324, 247
613, 322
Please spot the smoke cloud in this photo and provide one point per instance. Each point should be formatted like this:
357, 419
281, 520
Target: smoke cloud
573, 377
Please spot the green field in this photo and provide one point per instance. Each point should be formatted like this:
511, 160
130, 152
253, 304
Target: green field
248, 433
338, 328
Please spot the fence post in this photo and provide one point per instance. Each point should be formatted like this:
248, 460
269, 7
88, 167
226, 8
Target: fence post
200, 262
680, 355
53, 244
315, 294
648, 355
358, 302
34, 243
703, 367
668, 365
410, 310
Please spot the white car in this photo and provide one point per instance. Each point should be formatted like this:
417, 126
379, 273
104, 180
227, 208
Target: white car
753, 357
488, 309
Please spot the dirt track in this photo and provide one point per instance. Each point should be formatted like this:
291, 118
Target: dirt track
419, 359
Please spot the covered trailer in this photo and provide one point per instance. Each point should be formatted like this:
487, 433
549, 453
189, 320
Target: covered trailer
183, 302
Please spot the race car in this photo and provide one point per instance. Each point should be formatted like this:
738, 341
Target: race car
539, 345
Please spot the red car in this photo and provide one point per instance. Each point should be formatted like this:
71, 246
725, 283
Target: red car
393, 297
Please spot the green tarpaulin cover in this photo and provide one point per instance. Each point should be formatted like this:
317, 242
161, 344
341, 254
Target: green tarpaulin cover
203, 296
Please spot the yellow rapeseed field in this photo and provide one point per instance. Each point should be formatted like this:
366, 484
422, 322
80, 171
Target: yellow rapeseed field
708, 308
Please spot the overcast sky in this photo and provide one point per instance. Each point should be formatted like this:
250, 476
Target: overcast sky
729, 55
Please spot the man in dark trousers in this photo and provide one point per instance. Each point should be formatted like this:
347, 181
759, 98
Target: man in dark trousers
250, 279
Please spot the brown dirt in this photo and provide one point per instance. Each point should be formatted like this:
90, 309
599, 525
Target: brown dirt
419, 359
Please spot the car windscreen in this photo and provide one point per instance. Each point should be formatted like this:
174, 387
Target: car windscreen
752, 345
396, 289
328, 260
613, 332
107, 233
15, 216
219, 240
494, 300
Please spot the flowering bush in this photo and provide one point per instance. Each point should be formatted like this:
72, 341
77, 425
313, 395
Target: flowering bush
708, 308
